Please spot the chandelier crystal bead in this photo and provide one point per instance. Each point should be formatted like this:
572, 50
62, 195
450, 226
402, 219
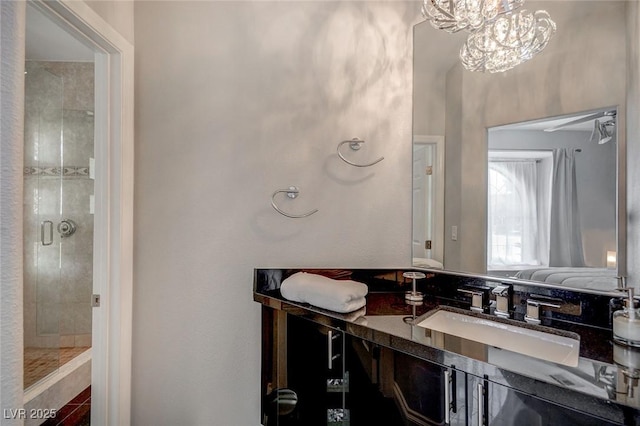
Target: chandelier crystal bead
509, 40
455, 15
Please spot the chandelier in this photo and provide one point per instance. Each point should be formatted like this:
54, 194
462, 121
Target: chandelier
509, 40
455, 15
501, 34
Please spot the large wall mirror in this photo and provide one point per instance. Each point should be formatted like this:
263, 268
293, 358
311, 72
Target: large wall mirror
533, 173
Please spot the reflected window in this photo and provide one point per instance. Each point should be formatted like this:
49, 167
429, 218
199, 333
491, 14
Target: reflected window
516, 220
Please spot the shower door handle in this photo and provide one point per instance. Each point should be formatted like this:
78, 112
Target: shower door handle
43, 226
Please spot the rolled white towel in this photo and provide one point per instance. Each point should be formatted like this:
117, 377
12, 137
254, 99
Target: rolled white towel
335, 295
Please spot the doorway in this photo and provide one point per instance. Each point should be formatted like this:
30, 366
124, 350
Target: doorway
79, 202
58, 198
428, 201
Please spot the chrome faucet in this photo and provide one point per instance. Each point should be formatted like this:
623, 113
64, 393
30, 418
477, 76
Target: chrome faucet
536, 302
534, 306
478, 298
606, 379
503, 300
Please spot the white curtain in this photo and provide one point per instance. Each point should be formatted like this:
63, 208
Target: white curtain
545, 174
565, 247
513, 231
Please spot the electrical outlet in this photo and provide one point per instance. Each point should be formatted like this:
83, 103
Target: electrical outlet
454, 233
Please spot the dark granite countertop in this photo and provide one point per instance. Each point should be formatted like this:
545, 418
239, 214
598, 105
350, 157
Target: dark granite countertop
597, 385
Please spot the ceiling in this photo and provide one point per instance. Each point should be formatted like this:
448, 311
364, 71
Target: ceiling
548, 123
435, 50
47, 41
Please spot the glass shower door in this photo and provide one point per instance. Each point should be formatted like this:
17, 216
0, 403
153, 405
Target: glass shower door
42, 182
58, 215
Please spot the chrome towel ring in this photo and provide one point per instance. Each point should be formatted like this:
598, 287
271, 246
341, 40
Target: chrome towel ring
355, 144
292, 192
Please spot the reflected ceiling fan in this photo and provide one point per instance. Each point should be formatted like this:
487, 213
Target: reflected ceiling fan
603, 129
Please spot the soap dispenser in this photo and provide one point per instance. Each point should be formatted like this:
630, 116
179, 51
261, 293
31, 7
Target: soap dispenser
627, 376
626, 322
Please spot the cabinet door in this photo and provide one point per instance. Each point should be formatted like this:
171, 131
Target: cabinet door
316, 372
491, 404
336, 378
429, 393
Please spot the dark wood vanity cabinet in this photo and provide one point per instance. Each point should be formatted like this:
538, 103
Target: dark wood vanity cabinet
317, 375
426, 393
340, 380
316, 372
333, 377
493, 404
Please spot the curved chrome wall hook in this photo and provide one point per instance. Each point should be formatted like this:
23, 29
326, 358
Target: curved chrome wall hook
292, 192
354, 144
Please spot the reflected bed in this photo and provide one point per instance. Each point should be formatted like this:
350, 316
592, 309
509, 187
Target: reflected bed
576, 277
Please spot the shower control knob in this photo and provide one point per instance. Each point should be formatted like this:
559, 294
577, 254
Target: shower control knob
66, 228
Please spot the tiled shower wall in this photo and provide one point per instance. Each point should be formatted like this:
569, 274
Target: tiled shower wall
59, 123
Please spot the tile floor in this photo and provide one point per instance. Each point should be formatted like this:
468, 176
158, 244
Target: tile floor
76, 413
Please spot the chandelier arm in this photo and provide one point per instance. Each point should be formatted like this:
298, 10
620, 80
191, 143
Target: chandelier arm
448, 14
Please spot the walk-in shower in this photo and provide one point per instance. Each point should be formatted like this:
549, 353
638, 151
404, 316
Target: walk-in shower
58, 216
58, 189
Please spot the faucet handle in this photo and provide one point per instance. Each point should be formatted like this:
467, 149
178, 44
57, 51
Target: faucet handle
533, 309
479, 298
501, 290
502, 293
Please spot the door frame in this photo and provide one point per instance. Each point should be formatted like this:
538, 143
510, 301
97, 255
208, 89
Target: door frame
113, 219
438, 226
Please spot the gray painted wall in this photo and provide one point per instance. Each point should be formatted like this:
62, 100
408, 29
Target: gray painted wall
118, 13
233, 101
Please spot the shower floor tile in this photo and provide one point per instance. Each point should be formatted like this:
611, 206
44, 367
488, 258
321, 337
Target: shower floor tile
39, 362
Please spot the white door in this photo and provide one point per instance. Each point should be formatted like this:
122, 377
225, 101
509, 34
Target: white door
428, 197
422, 193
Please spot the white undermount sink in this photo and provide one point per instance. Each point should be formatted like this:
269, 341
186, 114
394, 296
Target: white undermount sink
562, 348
